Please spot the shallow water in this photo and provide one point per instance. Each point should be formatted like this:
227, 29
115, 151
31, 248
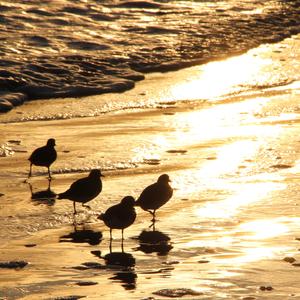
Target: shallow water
230, 144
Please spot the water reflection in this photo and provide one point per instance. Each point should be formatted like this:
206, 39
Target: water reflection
128, 279
43, 196
214, 79
154, 241
263, 229
82, 235
123, 263
244, 195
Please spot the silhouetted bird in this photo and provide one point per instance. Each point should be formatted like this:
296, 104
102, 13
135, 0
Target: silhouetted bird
43, 156
84, 190
120, 216
155, 195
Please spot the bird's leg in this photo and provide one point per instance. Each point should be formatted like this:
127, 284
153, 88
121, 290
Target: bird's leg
153, 215
152, 225
74, 223
30, 187
74, 206
110, 245
49, 184
110, 240
29, 174
150, 212
122, 243
86, 206
49, 175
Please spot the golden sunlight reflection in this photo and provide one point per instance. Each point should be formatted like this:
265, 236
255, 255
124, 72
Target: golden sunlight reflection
222, 77
223, 121
246, 194
254, 240
263, 229
230, 135
257, 253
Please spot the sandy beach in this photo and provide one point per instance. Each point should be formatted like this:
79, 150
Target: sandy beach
232, 227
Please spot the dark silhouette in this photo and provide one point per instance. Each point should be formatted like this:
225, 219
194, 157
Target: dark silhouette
155, 195
120, 216
43, 196
84, 190
124, 264
127, 277
82, 236
43, 156
154, 242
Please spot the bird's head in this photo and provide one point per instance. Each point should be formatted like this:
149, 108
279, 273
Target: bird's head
164, 178
51, 142
96, 173
128, 201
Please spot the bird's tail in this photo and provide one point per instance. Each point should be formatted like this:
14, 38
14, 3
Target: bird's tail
101, 217
61, 196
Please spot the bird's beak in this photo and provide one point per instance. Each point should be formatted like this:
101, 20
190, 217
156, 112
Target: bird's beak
102, 175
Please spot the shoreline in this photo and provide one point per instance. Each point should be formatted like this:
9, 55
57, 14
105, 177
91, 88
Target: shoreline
145, 94
12, 99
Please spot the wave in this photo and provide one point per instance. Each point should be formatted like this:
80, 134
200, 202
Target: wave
63, 49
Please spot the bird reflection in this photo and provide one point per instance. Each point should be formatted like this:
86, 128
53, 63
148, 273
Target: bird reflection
128, 279
153, 241
82, 235
123, 263
43, 196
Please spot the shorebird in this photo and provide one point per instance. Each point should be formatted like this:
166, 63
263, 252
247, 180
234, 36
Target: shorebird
120, 216
84, 190
155, 195
43, 156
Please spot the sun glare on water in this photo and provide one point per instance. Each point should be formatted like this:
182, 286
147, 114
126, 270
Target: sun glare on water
219, 78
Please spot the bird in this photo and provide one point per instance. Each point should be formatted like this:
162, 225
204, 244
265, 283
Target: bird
155, 195
84, 189
119, 216
43, 156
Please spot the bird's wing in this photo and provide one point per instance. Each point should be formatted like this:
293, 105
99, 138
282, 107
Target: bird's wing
36, 152
79, 186
146, 193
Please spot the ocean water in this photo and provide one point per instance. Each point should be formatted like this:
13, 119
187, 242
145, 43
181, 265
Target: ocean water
73, 48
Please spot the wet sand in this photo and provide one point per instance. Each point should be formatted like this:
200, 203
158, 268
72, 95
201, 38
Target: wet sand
231, 228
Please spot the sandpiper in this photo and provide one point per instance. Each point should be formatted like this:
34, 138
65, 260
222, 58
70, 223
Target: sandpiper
120, 216
155, 195
43, 156
84, 190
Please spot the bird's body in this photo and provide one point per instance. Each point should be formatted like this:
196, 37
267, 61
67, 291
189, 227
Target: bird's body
43, 156
120, 216
85, 189
155, 195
